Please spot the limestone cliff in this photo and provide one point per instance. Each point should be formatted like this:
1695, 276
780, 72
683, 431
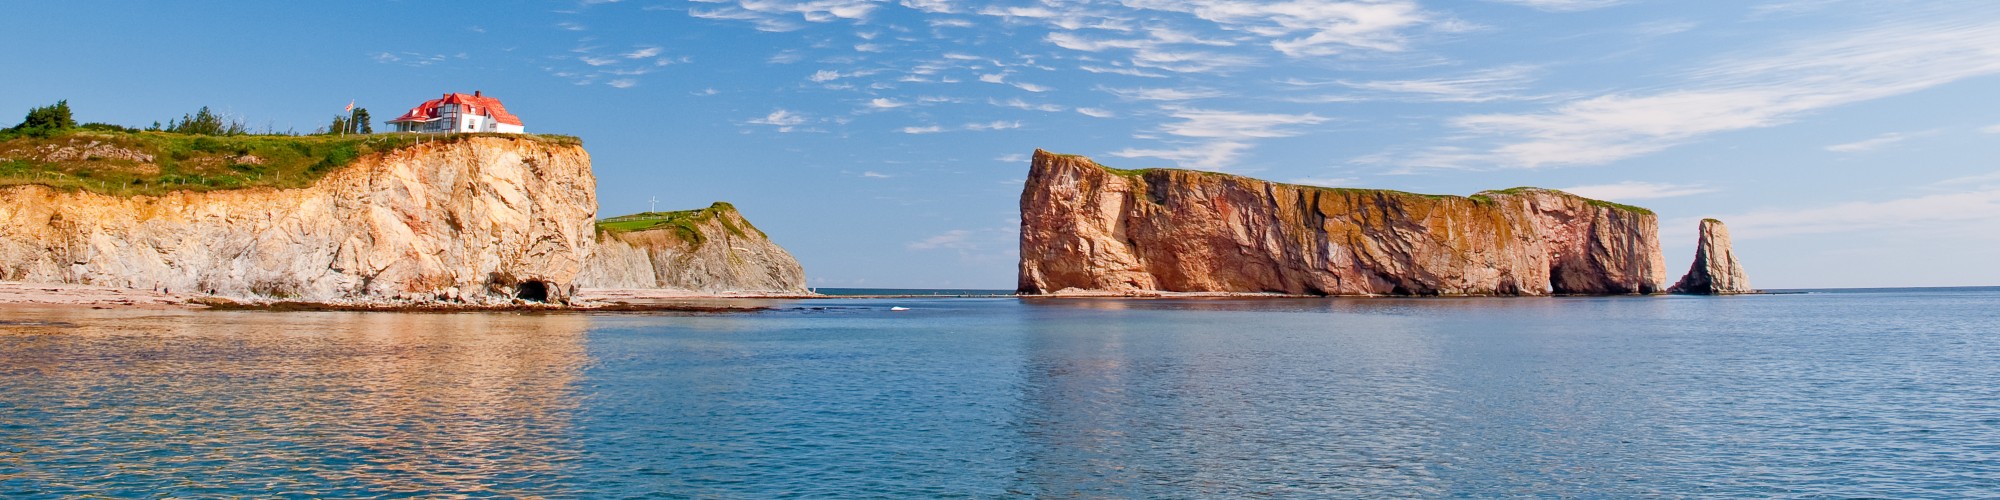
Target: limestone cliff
476, 220
1715, 270
1087, 228
708, 250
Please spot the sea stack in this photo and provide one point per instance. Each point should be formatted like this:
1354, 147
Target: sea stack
1715, 270
1091, 230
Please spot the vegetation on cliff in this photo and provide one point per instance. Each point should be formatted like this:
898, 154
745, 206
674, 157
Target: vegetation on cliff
200, 152
685, 224
1480, 197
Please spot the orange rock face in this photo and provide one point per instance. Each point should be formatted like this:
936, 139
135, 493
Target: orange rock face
1089, 229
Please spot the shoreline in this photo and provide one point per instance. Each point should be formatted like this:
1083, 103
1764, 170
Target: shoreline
592, 300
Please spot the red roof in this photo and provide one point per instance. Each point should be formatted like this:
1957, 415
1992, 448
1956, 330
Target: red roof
469, 104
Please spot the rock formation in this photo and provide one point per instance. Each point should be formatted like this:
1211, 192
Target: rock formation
479, 220
709, 250
1090, 229
1715, 270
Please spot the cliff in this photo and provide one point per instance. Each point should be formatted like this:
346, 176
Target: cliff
1715, 270
708, 250
476, 219
1092, 229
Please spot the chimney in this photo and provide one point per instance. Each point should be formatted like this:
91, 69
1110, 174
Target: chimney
475, 93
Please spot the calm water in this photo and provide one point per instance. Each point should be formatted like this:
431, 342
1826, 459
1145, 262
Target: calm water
1890, 393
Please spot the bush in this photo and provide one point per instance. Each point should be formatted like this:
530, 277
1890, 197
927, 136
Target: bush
106, 127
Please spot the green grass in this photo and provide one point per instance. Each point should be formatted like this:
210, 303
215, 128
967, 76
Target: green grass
153, 163
685, 224
1480, 197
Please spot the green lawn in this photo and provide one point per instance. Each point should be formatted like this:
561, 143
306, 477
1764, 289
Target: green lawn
685, 224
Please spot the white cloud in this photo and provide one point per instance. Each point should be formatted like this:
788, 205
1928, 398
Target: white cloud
1162, 94
995, 125
884, 103
1224, 135
1119, 71
993, 78
596, 61
623, 83
1729, 95
875, 175
1212, 155
1236, 125
825, 75
1012, 158
784, 120
1307, 28
643, 53
1030, 87
1325, 181
953, 239
1017, 103
1869, 144
929, 129
1969, 212
1096, 113
1482, 86
777, 15
1991, 129
1563, 5
1636, 190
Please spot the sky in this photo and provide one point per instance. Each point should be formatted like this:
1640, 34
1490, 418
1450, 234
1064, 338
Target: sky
885, 142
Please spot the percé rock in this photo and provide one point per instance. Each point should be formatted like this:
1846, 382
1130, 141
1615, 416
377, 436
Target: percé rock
478, 220
1090, 229
1715, 270
709, 250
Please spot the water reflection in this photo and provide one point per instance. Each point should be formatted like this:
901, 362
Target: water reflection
1277, 398
134, 403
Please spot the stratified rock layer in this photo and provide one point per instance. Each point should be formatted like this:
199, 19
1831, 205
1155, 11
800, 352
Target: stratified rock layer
716, 250
476, 220
1715, 270
1090, 229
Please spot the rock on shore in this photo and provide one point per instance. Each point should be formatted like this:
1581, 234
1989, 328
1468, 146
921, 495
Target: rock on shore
479, 220
1715, 270
1086, 228
713, 250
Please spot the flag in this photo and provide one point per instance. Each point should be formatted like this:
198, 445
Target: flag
350, 105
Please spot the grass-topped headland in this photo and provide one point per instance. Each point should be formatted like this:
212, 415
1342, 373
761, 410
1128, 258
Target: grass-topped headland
685, 224
200, 152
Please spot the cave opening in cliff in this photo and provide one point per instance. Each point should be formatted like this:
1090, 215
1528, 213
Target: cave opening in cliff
532, 291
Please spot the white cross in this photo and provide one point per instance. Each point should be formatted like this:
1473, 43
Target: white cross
656, 204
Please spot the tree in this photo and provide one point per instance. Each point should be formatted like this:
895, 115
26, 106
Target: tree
339, 126
52, 118
358, 123
205, 122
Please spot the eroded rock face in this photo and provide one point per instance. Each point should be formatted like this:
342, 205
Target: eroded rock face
723, 253
480, 220
1715, 270
1086, 228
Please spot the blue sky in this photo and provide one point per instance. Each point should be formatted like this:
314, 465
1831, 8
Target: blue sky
1847, 143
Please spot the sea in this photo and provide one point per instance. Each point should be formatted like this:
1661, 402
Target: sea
1883, 393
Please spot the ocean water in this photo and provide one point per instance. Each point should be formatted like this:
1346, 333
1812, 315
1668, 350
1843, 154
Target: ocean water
1882, 393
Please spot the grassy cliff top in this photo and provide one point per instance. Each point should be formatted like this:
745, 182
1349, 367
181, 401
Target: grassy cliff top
685, 224
1480, 197
155, 163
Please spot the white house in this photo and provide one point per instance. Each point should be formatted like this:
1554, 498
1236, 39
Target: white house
459, 113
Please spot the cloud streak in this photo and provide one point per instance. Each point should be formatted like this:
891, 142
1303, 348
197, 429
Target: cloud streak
1729, 95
